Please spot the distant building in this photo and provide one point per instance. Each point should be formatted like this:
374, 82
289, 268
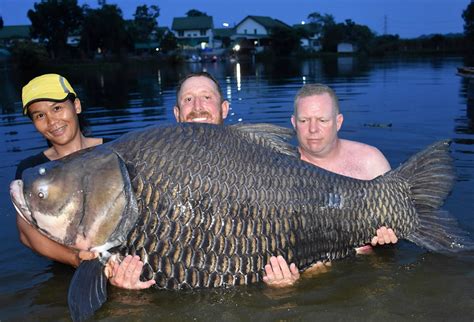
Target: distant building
310, 39
254, 31
222, 37
346, 48
152, 45
194, 32
8, 34
73, 41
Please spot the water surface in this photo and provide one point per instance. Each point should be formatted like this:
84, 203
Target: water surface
398, 105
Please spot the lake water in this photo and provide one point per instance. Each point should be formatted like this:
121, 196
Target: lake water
398, 105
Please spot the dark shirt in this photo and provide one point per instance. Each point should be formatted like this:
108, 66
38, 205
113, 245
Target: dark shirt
30, 162
37, 159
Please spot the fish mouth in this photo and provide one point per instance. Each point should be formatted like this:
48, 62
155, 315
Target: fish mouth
19, 201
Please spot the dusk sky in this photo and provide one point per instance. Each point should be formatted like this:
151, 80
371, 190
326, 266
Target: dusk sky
407, 18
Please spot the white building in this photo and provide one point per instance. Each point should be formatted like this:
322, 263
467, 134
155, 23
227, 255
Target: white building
194, 32
255, 31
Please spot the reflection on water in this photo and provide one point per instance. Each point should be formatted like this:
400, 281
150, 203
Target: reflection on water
422, 99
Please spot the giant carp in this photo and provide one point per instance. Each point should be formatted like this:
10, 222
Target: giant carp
206, 206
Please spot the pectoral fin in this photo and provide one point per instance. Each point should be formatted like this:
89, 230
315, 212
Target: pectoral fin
88, 290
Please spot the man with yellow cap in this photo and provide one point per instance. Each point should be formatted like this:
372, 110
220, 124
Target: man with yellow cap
52, 105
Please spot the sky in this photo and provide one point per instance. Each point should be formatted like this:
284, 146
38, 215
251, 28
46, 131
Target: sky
407, 18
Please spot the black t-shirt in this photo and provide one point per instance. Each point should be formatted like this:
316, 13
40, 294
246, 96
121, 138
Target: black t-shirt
30, 162
37, 159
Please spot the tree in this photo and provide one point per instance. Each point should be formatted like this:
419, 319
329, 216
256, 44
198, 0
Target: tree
332, 36
1, 22
104, 31
168, 42
195, 13
145, 22
319, 22
358, 35
284, 41
28, 54
384, 44
53, 21
437, 42
468, 16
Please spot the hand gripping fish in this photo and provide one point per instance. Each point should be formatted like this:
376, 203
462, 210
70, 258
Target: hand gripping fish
206, 206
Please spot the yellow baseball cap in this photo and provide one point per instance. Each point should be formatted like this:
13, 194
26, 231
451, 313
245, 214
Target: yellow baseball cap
47, 87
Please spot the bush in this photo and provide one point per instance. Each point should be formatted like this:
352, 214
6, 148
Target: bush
28, 54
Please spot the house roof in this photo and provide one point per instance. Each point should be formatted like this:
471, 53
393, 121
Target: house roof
266, 22
192, 23
18, 31
224, 32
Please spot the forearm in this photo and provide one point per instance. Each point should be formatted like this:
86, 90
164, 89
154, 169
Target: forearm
124, 275
44, 246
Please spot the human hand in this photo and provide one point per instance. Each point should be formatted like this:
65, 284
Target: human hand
127, 274
279, 274
85, 255
317, 268
384, 236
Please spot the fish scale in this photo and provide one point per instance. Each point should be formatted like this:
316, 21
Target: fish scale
206, 206
241, 200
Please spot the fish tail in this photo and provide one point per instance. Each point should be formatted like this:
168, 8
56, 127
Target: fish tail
431, 176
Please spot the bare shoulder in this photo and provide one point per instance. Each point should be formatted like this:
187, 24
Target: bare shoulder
368, 155
360, 149
94, 141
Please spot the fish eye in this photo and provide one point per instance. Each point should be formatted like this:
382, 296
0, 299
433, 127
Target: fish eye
42, 194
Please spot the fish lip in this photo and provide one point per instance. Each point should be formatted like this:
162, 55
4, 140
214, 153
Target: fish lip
19, 202
103, 250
